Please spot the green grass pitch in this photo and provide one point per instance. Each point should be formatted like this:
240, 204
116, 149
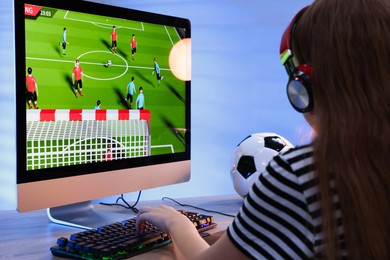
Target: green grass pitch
89, 40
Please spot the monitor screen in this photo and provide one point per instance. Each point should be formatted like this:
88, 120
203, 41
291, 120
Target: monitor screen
102, 100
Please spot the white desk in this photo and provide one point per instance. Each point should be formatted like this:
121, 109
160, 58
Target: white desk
30, 235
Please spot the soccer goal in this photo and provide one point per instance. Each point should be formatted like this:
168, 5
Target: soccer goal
61, 137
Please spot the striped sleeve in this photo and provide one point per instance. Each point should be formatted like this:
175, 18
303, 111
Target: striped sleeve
276, 220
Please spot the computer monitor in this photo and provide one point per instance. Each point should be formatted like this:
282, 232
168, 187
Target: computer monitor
79, 135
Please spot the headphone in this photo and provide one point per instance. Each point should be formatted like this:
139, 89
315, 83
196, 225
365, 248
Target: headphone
299, 91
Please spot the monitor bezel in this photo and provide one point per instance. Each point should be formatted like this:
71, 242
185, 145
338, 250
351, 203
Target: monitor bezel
24, 176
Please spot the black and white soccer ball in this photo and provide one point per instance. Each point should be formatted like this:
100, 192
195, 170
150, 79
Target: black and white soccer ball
252, 155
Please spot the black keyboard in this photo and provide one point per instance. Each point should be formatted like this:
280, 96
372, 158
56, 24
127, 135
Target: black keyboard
120, 240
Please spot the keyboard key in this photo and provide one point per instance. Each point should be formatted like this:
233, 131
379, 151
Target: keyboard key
120, 240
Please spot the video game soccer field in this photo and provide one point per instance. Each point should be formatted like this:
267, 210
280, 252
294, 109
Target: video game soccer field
88, 38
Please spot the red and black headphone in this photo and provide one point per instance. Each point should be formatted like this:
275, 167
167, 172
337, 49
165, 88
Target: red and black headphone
299, 91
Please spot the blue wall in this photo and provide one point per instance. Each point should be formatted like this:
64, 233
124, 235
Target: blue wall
238, 87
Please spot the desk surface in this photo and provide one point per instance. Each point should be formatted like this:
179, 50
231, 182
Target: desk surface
30, 235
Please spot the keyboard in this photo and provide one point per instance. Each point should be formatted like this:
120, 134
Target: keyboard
120, 240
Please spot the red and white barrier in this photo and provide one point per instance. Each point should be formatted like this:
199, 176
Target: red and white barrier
44, 115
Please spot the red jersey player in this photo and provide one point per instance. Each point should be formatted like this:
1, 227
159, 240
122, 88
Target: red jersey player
114, 38
108, 155
32, 89
77, 78
133, 44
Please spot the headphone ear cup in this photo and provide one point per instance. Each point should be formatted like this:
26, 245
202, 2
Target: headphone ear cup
299, 92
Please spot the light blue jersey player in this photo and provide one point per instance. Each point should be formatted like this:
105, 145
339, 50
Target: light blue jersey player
64, 42
157, 70
98, 103
130, 92
140, 99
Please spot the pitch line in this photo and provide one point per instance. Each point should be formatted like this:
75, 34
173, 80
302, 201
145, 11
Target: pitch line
169, 36
163, 146
104, 25
113, 78
92, 63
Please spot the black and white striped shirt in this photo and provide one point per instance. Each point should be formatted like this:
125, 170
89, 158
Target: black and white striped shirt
280, 216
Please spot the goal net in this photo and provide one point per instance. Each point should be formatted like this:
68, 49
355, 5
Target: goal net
60, 137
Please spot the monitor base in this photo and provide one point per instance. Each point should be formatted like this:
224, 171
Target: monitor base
84, 215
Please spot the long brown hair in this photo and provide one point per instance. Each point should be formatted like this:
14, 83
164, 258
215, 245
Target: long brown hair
347, 42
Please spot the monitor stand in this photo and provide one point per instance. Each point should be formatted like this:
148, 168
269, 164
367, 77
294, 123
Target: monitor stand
84, 215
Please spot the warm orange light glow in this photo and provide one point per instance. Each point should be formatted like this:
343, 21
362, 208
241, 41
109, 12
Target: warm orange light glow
180, 59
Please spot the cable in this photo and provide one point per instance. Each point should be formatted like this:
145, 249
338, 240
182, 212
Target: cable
195, 207
127, 205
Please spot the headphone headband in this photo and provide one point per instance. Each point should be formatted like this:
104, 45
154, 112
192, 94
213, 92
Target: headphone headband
286, 43
299, 90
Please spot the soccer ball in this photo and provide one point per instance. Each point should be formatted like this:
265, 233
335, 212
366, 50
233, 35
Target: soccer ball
252, 155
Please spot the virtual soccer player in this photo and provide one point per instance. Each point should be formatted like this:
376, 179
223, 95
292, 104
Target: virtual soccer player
114, 38
32, 89
77, 78
133, 46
